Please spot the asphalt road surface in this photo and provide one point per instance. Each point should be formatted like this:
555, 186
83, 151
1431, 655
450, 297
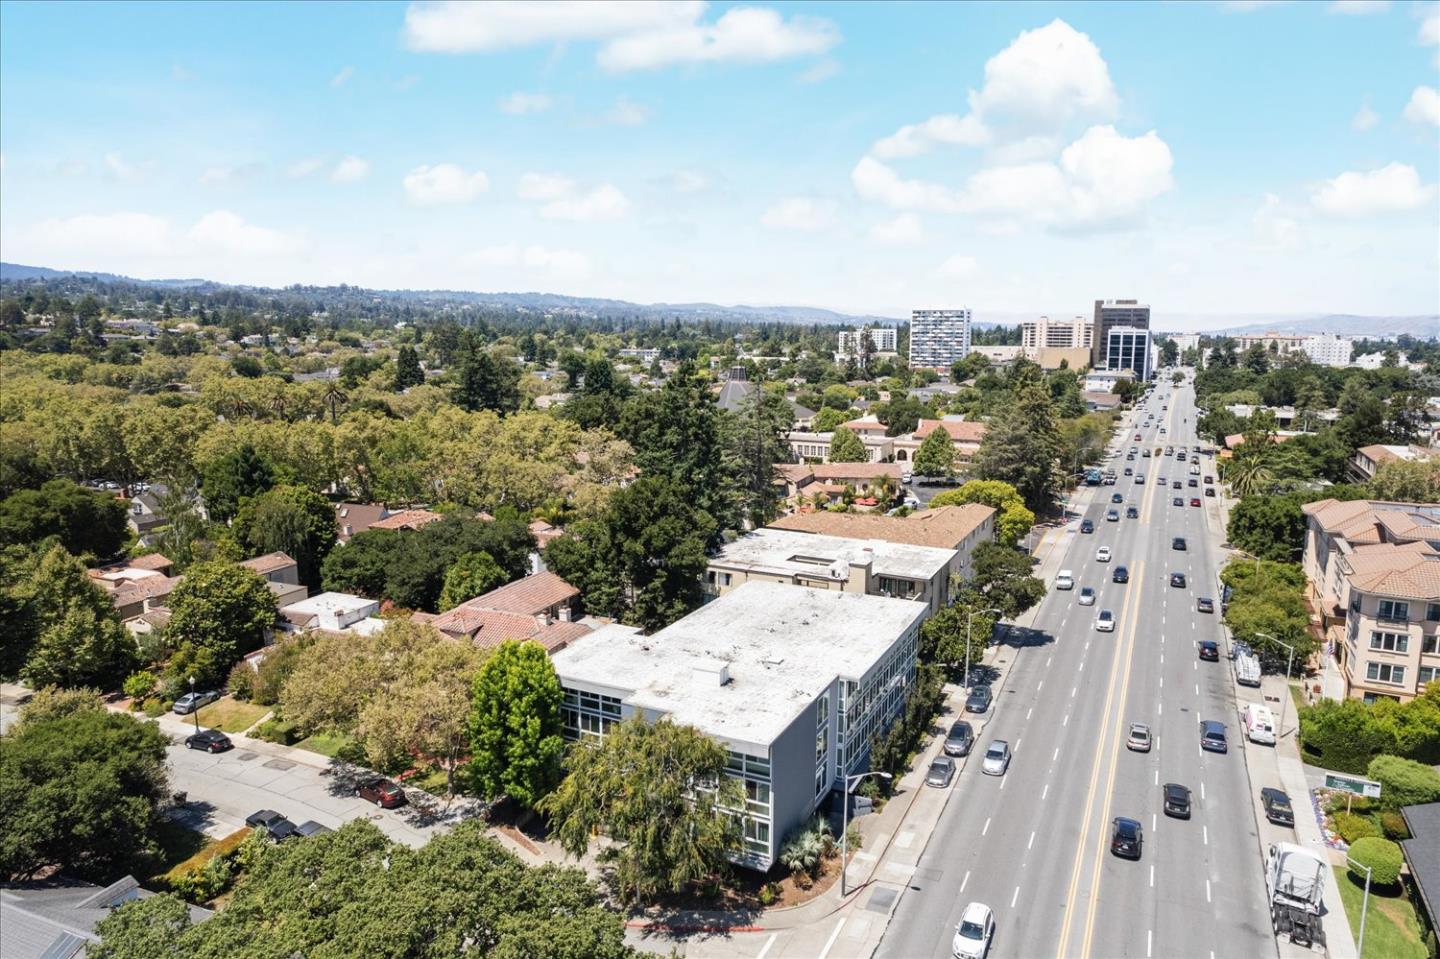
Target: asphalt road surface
1034, 844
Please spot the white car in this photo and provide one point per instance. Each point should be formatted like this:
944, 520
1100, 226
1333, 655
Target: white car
997, 758
1102, 555
1105, 622
1066, 580
974, 932
1087, 596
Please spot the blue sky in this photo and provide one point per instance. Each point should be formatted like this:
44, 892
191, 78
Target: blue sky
1212, 158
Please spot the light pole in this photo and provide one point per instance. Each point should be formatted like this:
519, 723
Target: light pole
969, 621
194, 709
1284, 700
1364, 905
850, 782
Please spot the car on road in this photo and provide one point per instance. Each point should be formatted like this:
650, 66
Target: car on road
942, 770
1209, 491
311, 828
382, 792
1176, 484
1204, 604
1105, 622
1192, 482
1121, 575
1177, 501
1129, 471
1066, 580
209, 740
973, 932
271, 823
1194, 501
1087, 526
1126, 837
1112, 516
997, 758
1139, 739
1209, 650
1212, 736
1178, 543
1102, 555
1177, 579
1209, 480
1132, 512
1177, 800
979, 699
1117, 498
1137, 437
1087, 596
1139, 479
960, 738
1277, 806
190, 702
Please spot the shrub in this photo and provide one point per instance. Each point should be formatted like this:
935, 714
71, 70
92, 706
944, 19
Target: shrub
153, 707
1382, 856
1353, 827
207, 873
138, 685
1393, 825
241, 682
1404, 782
769, 894
278, 731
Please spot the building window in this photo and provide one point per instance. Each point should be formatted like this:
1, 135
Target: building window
1428, 674
1385, 673
820, 780
1432, 612
757, 797
757, 836
1354, 602
1390, 642
1393, 610
1430, 644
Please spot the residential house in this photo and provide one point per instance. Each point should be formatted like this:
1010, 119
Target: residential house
1422, 854
137, 585
408, 519
275, 568
56, 918
792, 681
539, 607
145, 516
1368, 459
965, 435
333, 612
1101, 402
351, 519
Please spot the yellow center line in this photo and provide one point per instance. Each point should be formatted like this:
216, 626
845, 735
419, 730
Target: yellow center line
1129, 611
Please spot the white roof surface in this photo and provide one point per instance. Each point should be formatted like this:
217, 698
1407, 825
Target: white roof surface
791, 552
782, 645
331, 602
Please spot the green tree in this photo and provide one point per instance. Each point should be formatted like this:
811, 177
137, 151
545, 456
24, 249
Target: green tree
231, 478
292, 520
78, 794
972, 366
1271, 527
470, 576
641, 787
943, 636
1013, 520
1407, 481
221, 607
936, 455
486, 381
1404, 782
1021, 446
1382, 856
85, 521
828, 420
753, 442
62, 629
845, 447
184, 528
149, 928
516, 737
407, 369
1003, 576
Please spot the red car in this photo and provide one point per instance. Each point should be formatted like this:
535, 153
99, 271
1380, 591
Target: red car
382, 792
1137, 437
1194, 501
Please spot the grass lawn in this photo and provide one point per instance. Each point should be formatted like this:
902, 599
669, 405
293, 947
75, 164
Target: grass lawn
326, 744
1391, 931
230, 715
177, 844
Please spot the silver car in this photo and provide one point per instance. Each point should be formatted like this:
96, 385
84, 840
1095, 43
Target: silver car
942, 770
960, 738
997, 758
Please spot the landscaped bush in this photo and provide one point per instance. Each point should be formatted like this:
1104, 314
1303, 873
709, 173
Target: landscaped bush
1382, 856
153, 707
278, 731
208, 873
1404, 782
138, 685
241, 682
1393, 825
1353, 828
1345, 735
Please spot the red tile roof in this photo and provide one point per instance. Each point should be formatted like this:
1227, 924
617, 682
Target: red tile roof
527, 596
961, 431
151, 561
407, 519
268, 563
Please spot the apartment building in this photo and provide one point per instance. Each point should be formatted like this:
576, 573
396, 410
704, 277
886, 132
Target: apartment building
792, 681
1113, 313
1272, 342
1373, 571
1128, 348
1045, 333
1328, 349
965, 436
883, 339
938, 338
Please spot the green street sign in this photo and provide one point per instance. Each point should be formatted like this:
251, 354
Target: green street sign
1353, 784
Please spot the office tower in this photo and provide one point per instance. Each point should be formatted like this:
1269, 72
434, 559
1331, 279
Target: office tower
1044, 333
1128, 348
1111, 313
938, 338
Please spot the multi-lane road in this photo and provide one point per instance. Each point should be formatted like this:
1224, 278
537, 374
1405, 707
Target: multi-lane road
1034, 845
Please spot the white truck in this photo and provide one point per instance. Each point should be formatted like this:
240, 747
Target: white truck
1295, 879
1247, 670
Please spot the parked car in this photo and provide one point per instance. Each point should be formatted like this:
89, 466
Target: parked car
190, 702
1126, 837
997, 758
974, 932
1105, 622
1178, 543
1177, 579
1121, 574
942, 770
1177, 800
270, 822
1209, 650
311, 828
1210, 491
1087, 596
1212, 736
1277, 806
960, 738
1139, 738
209, 740
1204, 604
979, 699
382, 792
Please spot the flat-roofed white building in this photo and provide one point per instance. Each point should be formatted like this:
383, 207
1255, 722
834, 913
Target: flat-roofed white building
1045, 333
793, 681
1328, 349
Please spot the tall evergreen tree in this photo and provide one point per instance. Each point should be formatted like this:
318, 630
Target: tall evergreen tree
407, 369
1021, 446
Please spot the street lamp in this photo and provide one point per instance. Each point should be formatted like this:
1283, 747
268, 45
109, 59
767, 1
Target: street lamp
1284, 700
969, 621
850, 782
194, 709
1365, 904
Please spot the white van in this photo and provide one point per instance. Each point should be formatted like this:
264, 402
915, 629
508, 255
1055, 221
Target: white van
1066, 580
1259, 724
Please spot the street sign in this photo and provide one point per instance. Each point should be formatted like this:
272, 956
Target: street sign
1353, 784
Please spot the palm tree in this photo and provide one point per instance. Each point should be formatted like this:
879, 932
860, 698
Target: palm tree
334, 397
1249, 475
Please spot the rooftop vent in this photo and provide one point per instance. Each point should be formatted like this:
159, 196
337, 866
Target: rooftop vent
717, 674
773, 660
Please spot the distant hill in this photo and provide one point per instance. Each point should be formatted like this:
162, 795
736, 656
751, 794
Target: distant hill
1345, 324
16, 272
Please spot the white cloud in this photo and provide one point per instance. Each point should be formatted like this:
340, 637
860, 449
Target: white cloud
1391, 189
688, 181
605, 202
350, 169
958, 266
636, 34
1273, 229
799, 213
119, 169
1359, 7
309, 166
1111, 177
101, 237
144, 242
1364, 119
904, 230
554, 263
343, 77
916, 138
1424, 107
544, 186
821, 71
627, 113
229, 233
520, 103
1429, 34
444, 184
230, 174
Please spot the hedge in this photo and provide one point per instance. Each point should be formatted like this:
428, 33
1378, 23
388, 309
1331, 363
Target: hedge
279, 731
1345, 735
1404, 782
204, 875
1353, 828
1382, 856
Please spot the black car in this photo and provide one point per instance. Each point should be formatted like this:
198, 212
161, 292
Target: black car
1129, 471
311, 828
1277, 806
1126, 837
1178, 543
1175, 484
1117, 498
1132, 512
1121, 575
1204, 605
1086, 526
210, 740
1209, 650
979, 699
270, 822
1177, 800
1177, 501
1209, 491
1177, 579
1212, 736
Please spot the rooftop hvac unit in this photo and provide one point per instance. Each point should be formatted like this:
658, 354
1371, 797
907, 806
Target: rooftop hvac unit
839, 570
